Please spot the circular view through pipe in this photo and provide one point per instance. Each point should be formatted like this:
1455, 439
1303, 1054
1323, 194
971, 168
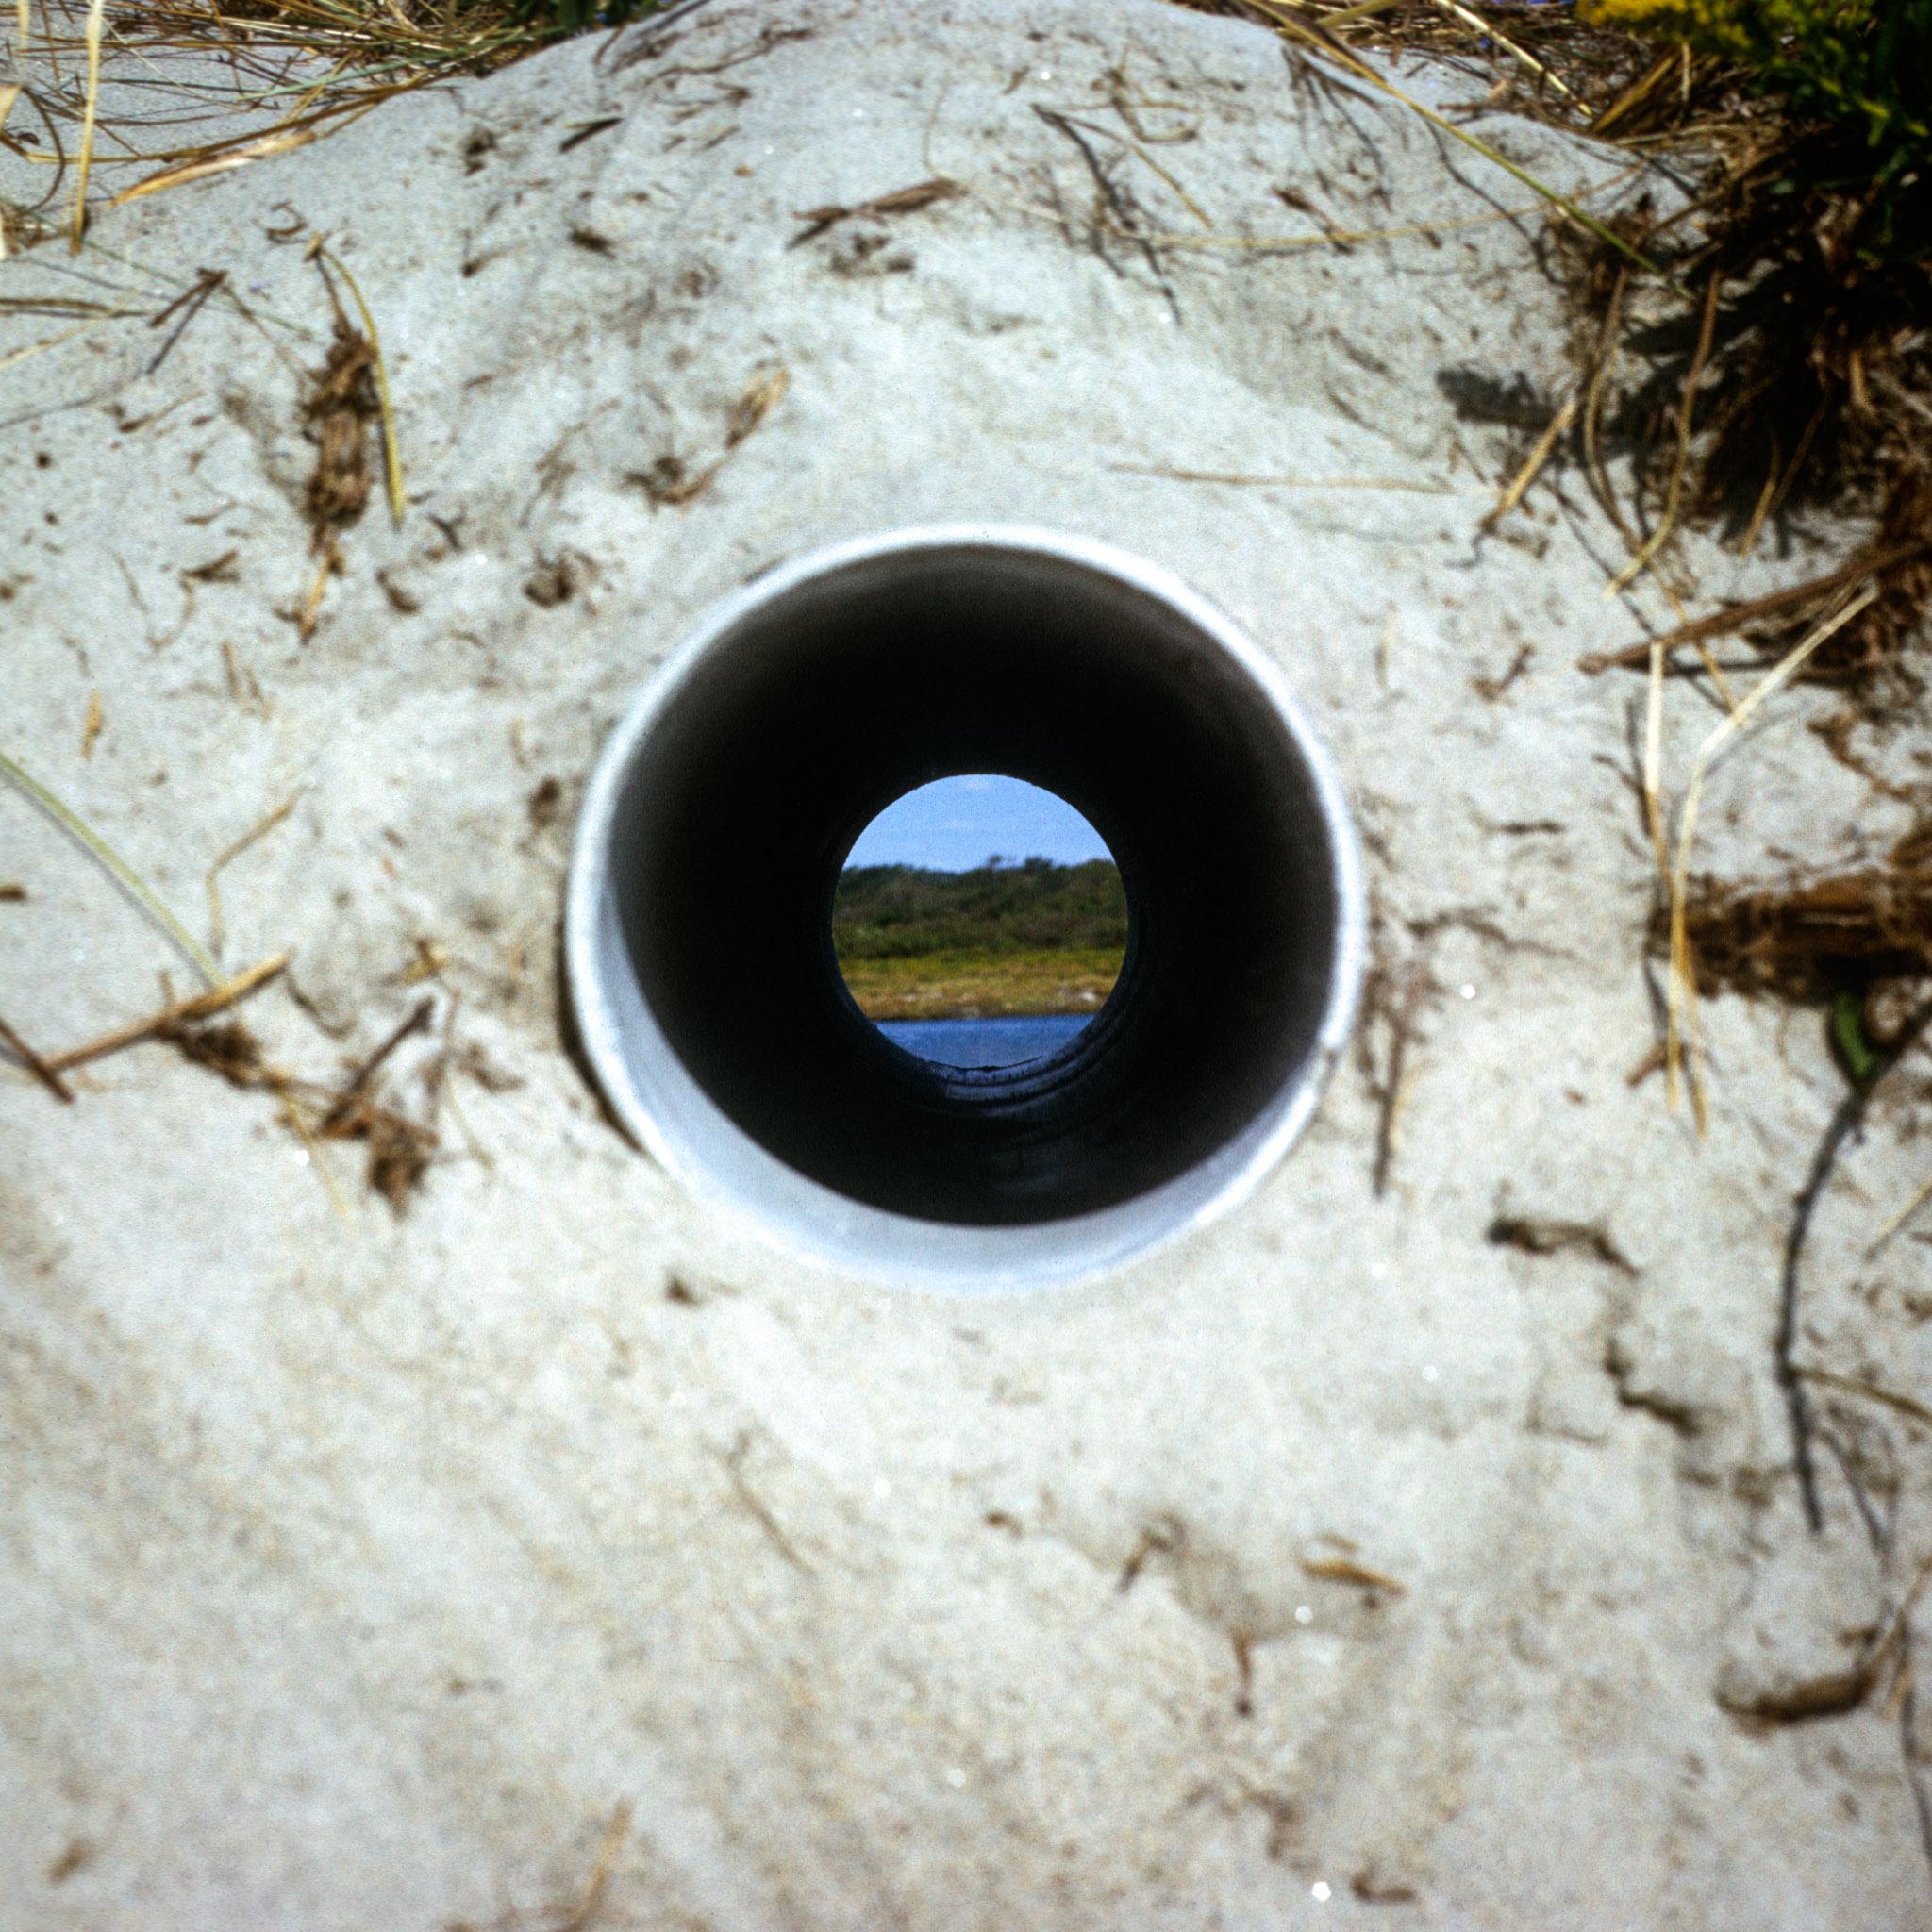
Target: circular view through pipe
698, 937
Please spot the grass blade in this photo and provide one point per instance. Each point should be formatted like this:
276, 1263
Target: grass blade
391, 456
117, 869
96, 9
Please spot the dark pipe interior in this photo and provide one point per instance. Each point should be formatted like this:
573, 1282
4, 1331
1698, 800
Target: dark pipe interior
813, 713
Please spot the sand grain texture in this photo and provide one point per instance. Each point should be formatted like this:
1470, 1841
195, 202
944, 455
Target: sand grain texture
357, 1570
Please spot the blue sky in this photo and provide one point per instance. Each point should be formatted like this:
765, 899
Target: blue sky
954, 825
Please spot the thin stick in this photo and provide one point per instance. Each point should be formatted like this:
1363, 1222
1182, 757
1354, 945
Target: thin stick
358, 1083
8, 94
1349, 16
391, 456
1717, 673
1538, 457
1652, 767
1851, 1386
1509, 46
1761, 508
1593, 407
1687, 408
27, 351
175, 1014
1327, 43
1235, 479
217, 932
1735, 616
36, 1065
615, 1835
1681, 992
292, 1112
1898, 1221
1192, 206
1268, 244
1845, 1122
1632, 96
180, 173
95, 11
118, 867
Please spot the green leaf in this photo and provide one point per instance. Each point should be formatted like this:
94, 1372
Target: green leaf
1848, 1036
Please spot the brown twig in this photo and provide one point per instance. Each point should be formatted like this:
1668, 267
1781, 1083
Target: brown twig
1395, 997
1735, 616
35, 1065
1851, 1385
218, 931
1686, 412
615, 1835
173, 1015
1532, 467
755, 1506
357, 1083
1592, 407
901, 201
1116, 203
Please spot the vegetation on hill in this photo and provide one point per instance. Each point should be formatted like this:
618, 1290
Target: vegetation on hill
901, 911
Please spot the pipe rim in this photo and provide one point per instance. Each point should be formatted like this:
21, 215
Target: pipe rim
695, 1140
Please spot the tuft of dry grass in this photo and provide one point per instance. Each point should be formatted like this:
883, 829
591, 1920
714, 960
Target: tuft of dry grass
1810, 938
331, 61
1680, 1039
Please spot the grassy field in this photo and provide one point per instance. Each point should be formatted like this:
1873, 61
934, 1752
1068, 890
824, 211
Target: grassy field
1026, 938
980, 983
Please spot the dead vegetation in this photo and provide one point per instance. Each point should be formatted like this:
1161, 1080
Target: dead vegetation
1756, 353
672, 482
1810, 939
207, 1032
1749, 354
1542, 1235
346, 408
339, 411
901, 201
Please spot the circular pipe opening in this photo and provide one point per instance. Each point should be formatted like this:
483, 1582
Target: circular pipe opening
969, 954
698, 936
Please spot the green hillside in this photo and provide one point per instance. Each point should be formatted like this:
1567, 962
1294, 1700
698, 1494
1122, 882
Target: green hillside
900, 911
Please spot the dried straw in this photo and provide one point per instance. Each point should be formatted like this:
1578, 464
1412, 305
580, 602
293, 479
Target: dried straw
1681, 998
96, 10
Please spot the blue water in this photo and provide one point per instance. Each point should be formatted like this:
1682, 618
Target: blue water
1004, 1042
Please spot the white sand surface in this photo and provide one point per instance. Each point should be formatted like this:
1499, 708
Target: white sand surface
359, 1570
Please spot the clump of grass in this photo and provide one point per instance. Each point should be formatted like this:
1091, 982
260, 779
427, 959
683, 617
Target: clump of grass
331, 61
1814, 938
1817, 259
1848, 64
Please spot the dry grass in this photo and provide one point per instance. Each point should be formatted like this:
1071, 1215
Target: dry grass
1812, 937
1742, 363
1680, 1055
307, 67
